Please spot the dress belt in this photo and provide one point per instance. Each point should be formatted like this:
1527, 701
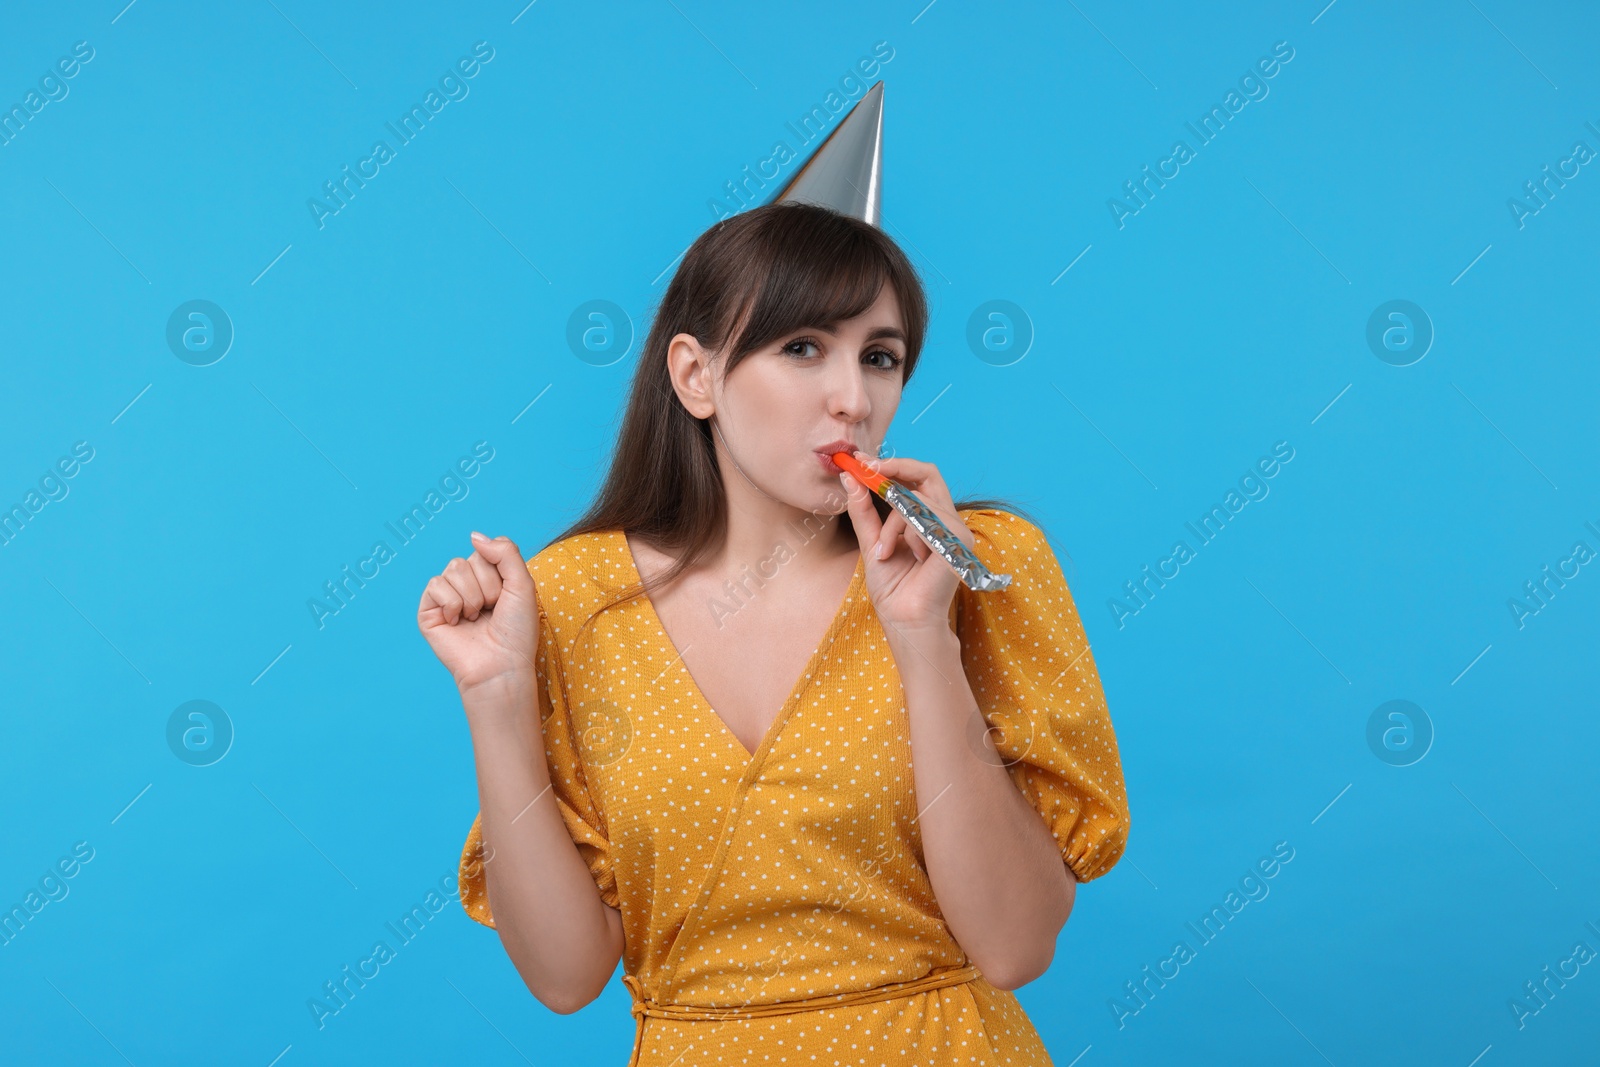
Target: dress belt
643, 1007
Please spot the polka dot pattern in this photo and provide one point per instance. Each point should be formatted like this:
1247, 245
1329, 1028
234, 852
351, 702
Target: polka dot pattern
747, 883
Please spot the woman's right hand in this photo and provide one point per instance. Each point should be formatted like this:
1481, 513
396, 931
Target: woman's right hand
481, 617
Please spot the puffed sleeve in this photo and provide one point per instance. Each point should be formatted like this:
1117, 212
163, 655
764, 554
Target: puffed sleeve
584, 821
1028, 661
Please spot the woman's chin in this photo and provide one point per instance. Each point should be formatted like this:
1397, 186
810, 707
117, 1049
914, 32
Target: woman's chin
827, 502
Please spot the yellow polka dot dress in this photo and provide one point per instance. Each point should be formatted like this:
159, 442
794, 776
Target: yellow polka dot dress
775, 906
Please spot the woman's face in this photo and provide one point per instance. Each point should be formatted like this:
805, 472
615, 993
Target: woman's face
788, 400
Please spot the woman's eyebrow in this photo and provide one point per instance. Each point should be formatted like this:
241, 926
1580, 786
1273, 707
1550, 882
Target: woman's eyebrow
873, 335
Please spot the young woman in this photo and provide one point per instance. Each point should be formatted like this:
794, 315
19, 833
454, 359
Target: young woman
825, 803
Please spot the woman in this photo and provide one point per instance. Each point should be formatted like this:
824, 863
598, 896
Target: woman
838, 851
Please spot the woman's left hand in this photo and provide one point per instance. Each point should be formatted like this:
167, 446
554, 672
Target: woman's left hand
912, 585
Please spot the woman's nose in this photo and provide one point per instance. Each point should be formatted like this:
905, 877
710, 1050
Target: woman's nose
848, 388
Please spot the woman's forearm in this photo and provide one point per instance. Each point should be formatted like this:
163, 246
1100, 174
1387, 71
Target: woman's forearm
564, 940
996, 870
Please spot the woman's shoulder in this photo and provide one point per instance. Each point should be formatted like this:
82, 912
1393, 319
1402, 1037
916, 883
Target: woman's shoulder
1009, 543
580, 567
999, 531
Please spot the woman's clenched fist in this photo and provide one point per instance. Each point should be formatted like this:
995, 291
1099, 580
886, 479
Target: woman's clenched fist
481, 618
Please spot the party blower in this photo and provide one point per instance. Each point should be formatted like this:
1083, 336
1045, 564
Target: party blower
921, 518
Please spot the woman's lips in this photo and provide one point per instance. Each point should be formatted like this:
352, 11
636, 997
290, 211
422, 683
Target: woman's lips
827, 463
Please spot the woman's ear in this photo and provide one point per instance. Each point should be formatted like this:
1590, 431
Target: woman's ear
689, 369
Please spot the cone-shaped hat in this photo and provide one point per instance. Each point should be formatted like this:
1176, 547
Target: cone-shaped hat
845, 173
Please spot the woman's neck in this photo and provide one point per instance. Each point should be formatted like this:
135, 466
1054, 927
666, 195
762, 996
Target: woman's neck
801, 541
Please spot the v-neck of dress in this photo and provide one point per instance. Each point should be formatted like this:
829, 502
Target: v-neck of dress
813, 664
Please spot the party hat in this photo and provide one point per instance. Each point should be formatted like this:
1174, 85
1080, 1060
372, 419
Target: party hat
845, 173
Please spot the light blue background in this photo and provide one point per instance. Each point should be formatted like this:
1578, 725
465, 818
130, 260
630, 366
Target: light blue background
1224, 317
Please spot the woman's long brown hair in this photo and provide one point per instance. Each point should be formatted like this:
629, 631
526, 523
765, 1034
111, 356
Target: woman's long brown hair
769, 271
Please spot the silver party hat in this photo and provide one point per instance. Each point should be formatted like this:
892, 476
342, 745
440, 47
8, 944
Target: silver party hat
845, 173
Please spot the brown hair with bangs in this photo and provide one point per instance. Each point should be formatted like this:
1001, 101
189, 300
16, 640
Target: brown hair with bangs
747, 281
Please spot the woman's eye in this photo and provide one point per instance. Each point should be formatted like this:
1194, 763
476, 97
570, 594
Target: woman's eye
798, 348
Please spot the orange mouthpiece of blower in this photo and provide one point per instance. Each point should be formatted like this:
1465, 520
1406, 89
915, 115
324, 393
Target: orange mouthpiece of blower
867, 477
